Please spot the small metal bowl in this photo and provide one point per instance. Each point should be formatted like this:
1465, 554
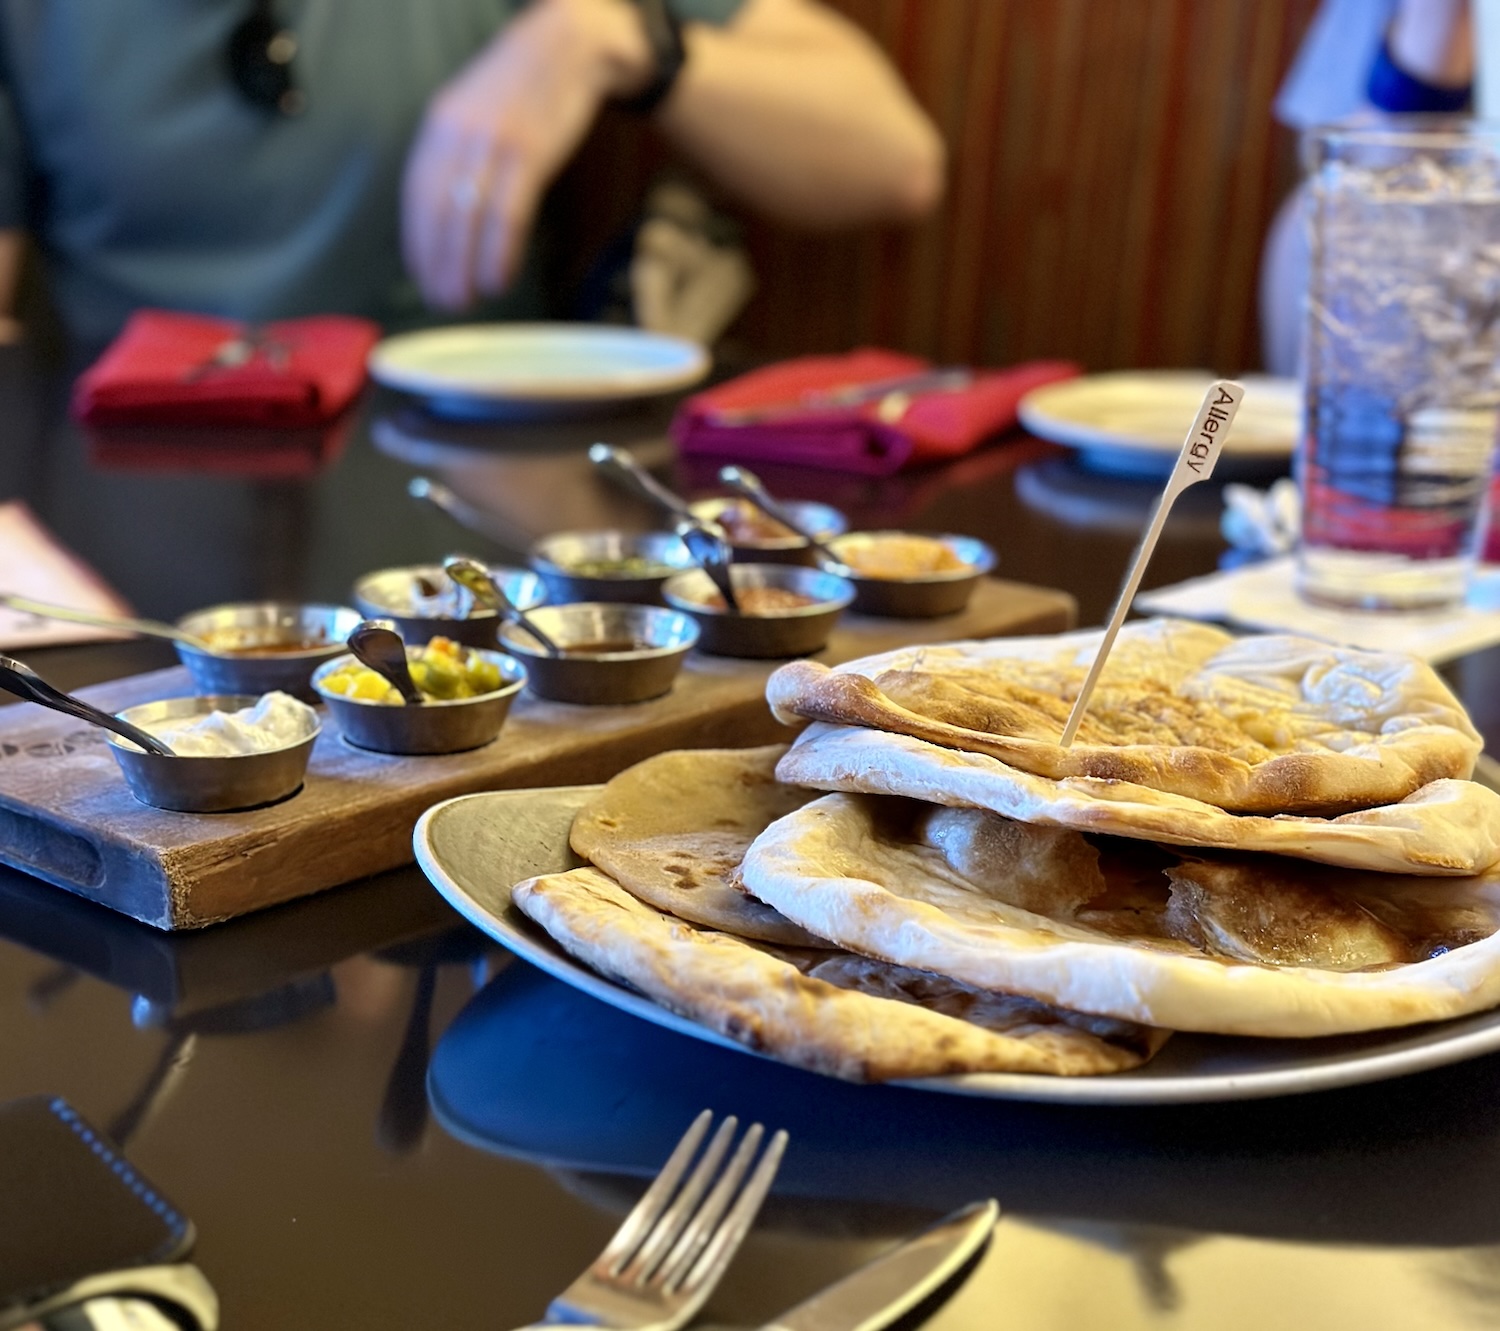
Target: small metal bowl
822, 520
264, 624
440, 726
557, 558
207, 785
595, 677
392, 593
793, 632
923, 595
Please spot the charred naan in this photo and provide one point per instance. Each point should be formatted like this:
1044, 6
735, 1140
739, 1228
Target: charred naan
1447, 827
1265, 724
672, 829
1238, 945
841, 1015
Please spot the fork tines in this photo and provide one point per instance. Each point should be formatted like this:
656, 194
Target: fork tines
676, 1243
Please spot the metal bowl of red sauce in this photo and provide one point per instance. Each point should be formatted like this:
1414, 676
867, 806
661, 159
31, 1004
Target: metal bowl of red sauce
610, 651
757, 538
785, 609
258, 646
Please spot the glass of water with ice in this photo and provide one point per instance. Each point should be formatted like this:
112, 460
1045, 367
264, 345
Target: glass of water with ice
1401, 363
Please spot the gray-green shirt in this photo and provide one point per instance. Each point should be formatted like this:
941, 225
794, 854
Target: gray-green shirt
148, 179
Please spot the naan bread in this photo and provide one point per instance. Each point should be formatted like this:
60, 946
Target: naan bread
849, 868
1447, 827
672, 829
1264, 724
843, 1016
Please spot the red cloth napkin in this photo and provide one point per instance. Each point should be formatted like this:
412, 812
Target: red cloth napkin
875, 437
161, 370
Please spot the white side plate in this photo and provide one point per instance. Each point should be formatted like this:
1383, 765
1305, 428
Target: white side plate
480, 369
477, 847
1133, 424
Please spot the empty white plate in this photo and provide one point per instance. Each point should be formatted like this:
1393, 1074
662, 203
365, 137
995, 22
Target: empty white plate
529, 370
1134, 423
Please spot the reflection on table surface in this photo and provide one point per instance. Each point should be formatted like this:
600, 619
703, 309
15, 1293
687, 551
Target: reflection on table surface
280, 1140
279, 1076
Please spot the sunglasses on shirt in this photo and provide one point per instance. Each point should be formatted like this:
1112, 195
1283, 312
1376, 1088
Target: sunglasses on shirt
260, 54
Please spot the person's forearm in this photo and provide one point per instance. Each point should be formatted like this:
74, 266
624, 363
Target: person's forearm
798, 112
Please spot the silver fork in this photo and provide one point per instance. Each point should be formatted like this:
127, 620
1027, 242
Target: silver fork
672, 1249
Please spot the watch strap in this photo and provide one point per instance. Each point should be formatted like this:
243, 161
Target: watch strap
669, 53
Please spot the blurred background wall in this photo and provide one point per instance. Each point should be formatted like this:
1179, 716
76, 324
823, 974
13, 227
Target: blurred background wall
1114, 166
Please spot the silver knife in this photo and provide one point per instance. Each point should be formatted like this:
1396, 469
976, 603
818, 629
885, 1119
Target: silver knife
893, 1284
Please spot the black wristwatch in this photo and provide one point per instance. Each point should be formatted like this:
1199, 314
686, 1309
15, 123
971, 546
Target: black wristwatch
664, 33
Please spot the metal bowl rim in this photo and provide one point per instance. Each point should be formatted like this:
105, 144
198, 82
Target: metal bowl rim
508, 666
776, 542
978, 569
385, 611
833, 605
220, 702
541, 562
311, 653
649, 612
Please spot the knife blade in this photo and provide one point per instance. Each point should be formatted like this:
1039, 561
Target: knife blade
894, 1283
889, 391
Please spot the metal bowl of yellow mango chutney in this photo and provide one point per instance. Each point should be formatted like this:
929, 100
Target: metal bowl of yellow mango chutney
460, 711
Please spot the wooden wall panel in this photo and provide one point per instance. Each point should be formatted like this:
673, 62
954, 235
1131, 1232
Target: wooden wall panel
1113, 169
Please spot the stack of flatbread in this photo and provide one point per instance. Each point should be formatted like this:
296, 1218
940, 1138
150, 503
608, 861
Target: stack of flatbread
1263, 836
660, 909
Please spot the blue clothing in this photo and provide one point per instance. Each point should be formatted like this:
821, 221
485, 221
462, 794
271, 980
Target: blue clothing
148, 179
1343, 66
1329, 77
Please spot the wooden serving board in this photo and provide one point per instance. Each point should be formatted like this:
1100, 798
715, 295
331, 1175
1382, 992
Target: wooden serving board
67, 817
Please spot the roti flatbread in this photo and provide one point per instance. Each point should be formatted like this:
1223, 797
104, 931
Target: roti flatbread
843, 1016
850, 868
1445, 828
672, 830
1263, 724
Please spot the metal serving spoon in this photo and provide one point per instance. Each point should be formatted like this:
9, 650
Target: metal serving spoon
375, 643
704, 542
619, 463
748, 485
25, 683
713, 555
481, 521
471, 574
147, 628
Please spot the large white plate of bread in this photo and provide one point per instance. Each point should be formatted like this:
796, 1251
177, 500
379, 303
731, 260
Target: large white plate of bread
1264, 868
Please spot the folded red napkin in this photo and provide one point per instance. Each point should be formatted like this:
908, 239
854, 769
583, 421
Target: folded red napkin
868, 411
187, 369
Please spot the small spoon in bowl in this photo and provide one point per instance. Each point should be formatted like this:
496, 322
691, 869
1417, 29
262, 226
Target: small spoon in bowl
749, 486
471, 574
376, 644
24, 682
712, 555
146, 628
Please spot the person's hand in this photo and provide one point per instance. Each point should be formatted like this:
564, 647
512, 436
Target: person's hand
497, 134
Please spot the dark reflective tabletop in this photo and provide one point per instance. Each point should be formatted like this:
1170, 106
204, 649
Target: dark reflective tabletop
377, 1119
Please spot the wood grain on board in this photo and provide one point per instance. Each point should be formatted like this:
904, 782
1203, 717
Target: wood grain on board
67, 817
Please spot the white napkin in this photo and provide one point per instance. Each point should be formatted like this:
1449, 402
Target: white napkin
1262, 596
33, 564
